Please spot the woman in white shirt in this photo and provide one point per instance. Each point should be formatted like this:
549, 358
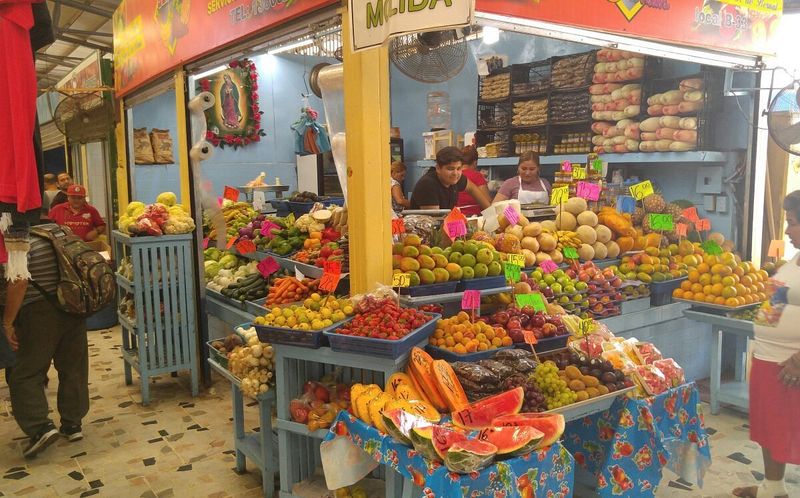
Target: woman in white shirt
775, 374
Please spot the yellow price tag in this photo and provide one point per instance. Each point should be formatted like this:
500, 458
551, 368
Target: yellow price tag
559, 195
516, 259
401, 280
586, 327
579, 173
642, 190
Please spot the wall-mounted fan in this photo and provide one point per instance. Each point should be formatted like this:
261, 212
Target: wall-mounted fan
431, 57
84, 117
783, 118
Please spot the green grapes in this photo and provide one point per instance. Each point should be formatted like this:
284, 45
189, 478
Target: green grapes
555, 390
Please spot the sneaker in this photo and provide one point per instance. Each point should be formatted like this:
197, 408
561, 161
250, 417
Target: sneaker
71, 432
40, 442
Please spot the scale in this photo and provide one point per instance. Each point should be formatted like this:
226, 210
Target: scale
538, 211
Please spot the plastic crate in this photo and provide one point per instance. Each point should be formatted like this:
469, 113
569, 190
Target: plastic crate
281, 207
438, 353
580, 65
493, 77
430, 289
530, 79
661, 292
482, 283
301, 208
382, 347
215, 355
502, 139
546, 344
578, 105
494, 116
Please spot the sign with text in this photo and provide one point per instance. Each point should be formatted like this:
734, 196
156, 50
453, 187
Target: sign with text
266, 228
529, 337
332, 272
691, 213
566, 166
589, 191
516, 259
579, 173
534, 300
373, 22
512, 271
401, 280
711, 247
559, 195
511, 214
661, 222
681, 229
702, 225
245, 246
548, 266
455, 224
642, 190
597, 165
570, 253
268, 266
471, 300
230, 193
398, 226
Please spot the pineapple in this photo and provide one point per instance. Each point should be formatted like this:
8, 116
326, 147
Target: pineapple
637, 216
654, 204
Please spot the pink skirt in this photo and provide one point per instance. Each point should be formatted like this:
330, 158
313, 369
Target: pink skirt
773, 413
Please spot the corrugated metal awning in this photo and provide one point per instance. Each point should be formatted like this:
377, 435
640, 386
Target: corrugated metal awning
51, 137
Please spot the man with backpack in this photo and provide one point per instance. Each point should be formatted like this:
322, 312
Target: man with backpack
44, 320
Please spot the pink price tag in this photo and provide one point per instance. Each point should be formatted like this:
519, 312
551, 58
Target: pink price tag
589, 191
511, 215
703, 225
548, 266
268, 266
566, 166
266, 228
471, 300
205, 243
456, 229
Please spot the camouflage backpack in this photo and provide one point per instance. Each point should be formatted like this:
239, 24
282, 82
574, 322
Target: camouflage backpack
87, 282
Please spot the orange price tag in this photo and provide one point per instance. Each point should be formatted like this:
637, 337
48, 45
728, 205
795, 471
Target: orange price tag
330, 278
776, 248
691, 214
398, 226
230, 193
245, 246
529, 337
230, 243
681, 229
703, 225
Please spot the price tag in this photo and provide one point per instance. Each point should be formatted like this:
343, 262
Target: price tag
332, 272
529, 338
597, 165
298, 274
578, 173
534, 299
267, 227
566, 166
589, 191
511, 215
681, 229
586, 327
559, 195
691, 214
245, 246
662, 222
512, 271
230, 193
205, 243
548, 266
570, 253
268, 266
471, 300
398, 226
230, 243
259, 200
626, 204
711, 247
776, 248
455, 229
401, 280
703, 225
642, 190
516, 259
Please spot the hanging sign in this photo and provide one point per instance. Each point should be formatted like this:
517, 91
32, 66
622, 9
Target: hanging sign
373, 22
471, 300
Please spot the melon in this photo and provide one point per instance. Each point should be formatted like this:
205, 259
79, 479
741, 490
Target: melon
547, 242
532, 229
444, 437
586, 234
549, 225
508, 243
419, 366
550, 424
530, 257
480, 414
515, 230
399, 424
469, 456
612, 249
587, 218
600, 250
530, 243
449, 386
586, 252
542, 257
556, 256
566, 221
422, 439
603, 233
513, 441
576, 205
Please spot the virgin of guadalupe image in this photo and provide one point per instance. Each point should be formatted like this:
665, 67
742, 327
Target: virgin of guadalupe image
229, 97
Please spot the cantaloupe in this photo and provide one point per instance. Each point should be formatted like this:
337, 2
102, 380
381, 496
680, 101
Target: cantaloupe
547, 242
600, 250
566, 221
586, 234
586, 252
530, 243
613, 249
603, 233
576, 205
530, 257
549, 225
556, 256
541, 257
587, 218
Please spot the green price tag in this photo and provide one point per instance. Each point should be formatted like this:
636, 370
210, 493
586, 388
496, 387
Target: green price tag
534, 299
661, 222
597, 165
711, 247
512, 271
570, 253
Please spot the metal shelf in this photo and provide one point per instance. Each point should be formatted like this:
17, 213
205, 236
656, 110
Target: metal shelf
446, 298
705, 157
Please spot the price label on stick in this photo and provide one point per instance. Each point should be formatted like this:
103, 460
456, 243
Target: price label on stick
578, 173
642, 190
534, 299
691, 214
626, 204
512, 271
516, 259
298, 274
401, 280
471, 300
548, 266
230, 193
589, 191
681, 229
566, 166
511, 215
245, 246
711, 247
267, 227
268, 266
586, 327
597, 165
332, 272
205, 243
529, 338
702, 225
662, 222
570, 253
455, 229
230, 243
776, 248
398, 226
559, 195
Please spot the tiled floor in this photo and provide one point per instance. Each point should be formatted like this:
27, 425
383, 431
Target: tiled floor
182, 447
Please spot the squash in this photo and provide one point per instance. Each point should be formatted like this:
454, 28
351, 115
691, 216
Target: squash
682, 146
655, 110
671, 110
672, 97
649, 124
449, 386
625, 244
691, 84
670, 122
688, 123
665, 133
663, 145
693, 96
686, 136
647, 146
652, 240
654, 99
648, 136
419, 366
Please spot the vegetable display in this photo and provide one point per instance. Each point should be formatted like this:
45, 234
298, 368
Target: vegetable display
165, 216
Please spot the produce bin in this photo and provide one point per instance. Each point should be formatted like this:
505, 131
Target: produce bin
438, 353
291, 337
281, 207
547, 344
301, 208
481, 283
382, 347
215, 355
661, 292
430, 289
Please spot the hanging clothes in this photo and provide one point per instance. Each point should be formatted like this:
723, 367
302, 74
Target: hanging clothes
309, 136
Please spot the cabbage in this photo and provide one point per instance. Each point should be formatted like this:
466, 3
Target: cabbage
212, 253
134, 209
229, 261
167, 198
211, 269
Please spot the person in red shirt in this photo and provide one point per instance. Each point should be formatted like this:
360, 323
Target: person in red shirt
466, 203
77, 215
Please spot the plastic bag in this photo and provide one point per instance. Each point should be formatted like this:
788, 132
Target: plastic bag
647, 353
671, 370
142, 148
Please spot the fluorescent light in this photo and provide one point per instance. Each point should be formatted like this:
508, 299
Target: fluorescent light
210, 72
491, 35
290, 46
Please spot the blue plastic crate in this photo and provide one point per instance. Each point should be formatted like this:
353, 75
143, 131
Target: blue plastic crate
482, 283
281, 207
313, 339
430, 289
438, 353
546, 344
382, 347
301, 208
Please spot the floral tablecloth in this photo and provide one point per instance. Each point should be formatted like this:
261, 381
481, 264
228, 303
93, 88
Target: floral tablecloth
545, 473
627, 447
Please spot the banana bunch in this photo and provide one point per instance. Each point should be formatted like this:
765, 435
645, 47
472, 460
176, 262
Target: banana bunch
567, 238
368, 401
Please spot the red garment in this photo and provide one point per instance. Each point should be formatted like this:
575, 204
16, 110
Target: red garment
19, 182
468, 205
771, 402
81, 223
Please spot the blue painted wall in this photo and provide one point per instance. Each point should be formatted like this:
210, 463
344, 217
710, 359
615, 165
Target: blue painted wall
150, 180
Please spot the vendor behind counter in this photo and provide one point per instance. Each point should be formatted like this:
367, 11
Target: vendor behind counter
527, 187
439, 186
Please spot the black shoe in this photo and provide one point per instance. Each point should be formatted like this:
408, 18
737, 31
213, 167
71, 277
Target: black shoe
71, 432
41, 441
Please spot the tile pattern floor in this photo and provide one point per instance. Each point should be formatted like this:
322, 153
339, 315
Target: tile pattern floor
182, 446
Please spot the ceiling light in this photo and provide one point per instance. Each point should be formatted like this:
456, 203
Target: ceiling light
290, 46
210, 72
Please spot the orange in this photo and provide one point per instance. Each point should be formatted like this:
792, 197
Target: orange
707, 289
709, 260
720, 269
703, 268
507, 341
741, 300
449, 341
686, 285
716, 289
741, 290
715, 279
719, 300
678, 293
746, 279
710, 299
728, 281
472, 346
727, 258
762, 296
688, 295
764, 275
731, 301
497, 342
729, 291
699, 296
460, 349
738, 271
697, 288
748, 299
694, 276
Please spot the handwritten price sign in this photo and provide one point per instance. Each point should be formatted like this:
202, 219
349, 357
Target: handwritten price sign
230, 243
566, 166
691, 214
597, 165
535, 300
559, 195
578, 173
268, 266
332, 272
529, 338
589, 191
456, 229
548, 266
586, 327
511, 215
642, 190
267, 227
401, 280
245, 247
512, 271
662, 222
681, 229
570, 253
516, 259
230, 193
471, 300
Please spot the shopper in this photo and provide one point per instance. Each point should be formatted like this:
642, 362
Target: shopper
399, 201
83, 219
40, 334
439, 187
775, 373
63, 181
527, 187
466, 203
50, 191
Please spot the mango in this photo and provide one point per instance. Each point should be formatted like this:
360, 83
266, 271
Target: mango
409, 264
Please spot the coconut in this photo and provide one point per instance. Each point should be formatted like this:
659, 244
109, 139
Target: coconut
549, 225
600, 250
576, 205
603, 233
541, 257
530, 243
587, 218
556, 256
586, 252
586, 234
613, 249
547, 242
532, 229
565, 221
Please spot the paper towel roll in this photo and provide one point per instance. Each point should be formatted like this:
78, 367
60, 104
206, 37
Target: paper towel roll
201, 102
201, 151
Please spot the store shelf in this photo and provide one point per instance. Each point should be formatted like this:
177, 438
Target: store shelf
735, 393
298, 428
124, 282
232, 315
446, 298
706, 157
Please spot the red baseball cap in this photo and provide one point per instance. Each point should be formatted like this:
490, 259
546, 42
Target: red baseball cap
76, 190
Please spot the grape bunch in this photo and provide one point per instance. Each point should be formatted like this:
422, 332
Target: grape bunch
534, 399
555, 390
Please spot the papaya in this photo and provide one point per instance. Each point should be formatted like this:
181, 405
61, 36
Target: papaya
639, 243
449, 386
625, 244
420, 367
407, 392
395, 381
374, 409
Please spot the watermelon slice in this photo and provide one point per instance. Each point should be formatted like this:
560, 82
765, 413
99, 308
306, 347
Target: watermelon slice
422, 439
479, 415
399, 424
444, 437
551, 424
469, 456
513, 441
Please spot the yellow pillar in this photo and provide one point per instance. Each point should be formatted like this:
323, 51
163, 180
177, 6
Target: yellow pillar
367, 121
122, 161
183, 137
